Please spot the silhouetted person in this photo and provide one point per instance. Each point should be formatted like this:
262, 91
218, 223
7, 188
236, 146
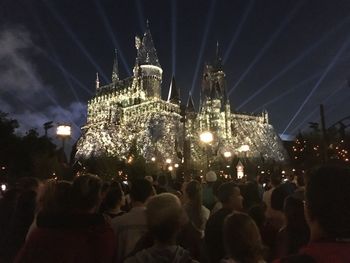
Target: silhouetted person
231, 199
327, 212
164, 216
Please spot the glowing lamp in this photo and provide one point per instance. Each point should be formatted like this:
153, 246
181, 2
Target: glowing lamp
227, 154
206, 137
64, 130
168, 161
240, 170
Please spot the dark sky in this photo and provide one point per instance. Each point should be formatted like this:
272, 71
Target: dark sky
285, 56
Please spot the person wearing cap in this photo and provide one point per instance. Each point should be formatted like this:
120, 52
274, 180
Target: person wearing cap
208, 194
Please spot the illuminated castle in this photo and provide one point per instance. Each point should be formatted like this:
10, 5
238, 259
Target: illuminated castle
131, 111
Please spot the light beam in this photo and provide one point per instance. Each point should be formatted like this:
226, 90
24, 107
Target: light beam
296, 61
267, 45
204, 40
329, 67
238, 31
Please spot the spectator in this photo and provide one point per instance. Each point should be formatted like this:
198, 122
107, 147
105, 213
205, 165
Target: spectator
218, 204
76, 235
275, 180
277, 217
196, 212
208, 195
164, 218
327, 212
242, 239
113, 201
130, 227
20, 219
230, 197
295, 234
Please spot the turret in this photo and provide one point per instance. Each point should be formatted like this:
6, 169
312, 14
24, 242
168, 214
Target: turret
147, 65
97, 82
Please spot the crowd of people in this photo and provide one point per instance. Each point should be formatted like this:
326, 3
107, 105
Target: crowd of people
303, 218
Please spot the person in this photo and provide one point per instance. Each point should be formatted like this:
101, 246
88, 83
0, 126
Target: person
242, 239
20, 218
74, 234
275, 180
196, 212
208, 195
164, 216
295, 234
131, 226
231, 199
327, 212
113, 201
277, 216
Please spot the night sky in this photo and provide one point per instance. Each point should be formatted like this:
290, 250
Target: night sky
285, 56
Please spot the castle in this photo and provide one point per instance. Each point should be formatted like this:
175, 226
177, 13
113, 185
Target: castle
131, 112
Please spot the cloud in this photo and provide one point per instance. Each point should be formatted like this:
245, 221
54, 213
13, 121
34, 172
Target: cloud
23, 93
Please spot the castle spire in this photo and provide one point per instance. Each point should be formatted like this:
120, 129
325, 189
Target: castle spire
174, 93
190, 103
147, 54
218, 60
115, 72
97, 81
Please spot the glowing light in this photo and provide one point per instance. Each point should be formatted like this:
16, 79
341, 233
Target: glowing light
227, 154
206, 137
170, 168
244, 148
153, 159
176, 165
3, 187
168, 160
64, 130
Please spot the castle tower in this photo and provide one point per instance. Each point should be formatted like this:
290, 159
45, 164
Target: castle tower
147, 65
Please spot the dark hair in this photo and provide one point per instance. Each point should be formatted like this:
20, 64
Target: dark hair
162, 180
276, 178
113, 197
250, 193
297, 228
242, 238
194, 207
56, 197
28, 183
141, 189
164, 213
279, 194
225, 191
328, 199
86, 190
300, 180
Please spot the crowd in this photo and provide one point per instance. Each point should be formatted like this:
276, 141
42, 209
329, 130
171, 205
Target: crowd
303, 218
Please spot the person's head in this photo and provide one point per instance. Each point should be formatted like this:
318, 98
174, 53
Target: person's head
86, 193
164, 216
193, 192
114, 197
210, 177
162, 180
141, 190
275, 178
327, 206
55, 197
279, 194
229, 195
28, 184
250, 194
242, 238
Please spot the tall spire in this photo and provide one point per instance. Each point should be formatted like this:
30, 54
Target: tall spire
190, 103
174, 94
97, 81
115, 72
147, 54
218, 60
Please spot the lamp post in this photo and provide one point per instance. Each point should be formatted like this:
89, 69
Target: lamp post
206, 137
63, 132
